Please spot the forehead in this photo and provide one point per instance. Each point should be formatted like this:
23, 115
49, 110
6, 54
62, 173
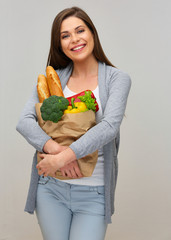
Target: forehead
71, 23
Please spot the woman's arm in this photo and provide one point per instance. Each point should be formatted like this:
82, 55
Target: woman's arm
107, 129
97, 136
28, 126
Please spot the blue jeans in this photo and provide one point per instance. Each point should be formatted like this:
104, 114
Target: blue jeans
70, 212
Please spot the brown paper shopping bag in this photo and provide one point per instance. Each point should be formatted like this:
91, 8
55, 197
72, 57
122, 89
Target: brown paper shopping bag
67, 130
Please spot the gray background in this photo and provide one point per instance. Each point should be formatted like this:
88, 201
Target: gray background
136, 37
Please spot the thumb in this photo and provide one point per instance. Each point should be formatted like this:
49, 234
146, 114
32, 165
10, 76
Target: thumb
42, 155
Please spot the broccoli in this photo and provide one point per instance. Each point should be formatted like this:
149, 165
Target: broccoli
53, 108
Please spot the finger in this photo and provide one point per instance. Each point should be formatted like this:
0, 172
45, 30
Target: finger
39, 166
68, 173
42, 155
73, 173
39, 172
78, 171
45, 174
63, 173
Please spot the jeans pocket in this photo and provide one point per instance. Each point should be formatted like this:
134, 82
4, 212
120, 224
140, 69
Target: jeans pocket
43, 180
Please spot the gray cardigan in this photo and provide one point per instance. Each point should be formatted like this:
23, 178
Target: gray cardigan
114, 87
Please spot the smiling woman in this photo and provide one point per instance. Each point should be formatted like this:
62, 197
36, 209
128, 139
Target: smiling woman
77, 40
79, 207
56, 57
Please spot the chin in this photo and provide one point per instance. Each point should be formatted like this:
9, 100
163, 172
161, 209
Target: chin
82, 58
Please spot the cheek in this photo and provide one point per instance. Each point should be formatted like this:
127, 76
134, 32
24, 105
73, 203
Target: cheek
92, 43
64, 45
64, 49
91, 40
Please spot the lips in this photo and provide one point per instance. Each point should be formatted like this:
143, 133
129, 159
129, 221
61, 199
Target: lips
78, 47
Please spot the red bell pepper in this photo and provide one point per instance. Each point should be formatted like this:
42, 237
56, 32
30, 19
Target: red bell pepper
82, 94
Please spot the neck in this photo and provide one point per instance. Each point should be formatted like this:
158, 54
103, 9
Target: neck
85, 68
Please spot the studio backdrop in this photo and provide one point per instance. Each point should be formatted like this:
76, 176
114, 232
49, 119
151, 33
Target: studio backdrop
136, 37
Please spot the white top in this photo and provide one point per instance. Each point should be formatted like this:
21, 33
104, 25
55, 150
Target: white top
97, 178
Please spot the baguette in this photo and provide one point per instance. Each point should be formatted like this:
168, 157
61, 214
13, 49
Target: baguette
42, 88
53, 81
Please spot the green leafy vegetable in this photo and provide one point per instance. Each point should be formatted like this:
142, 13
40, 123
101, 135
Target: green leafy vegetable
53, 108
88, 100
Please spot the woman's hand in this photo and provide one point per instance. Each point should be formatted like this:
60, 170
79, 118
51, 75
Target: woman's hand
71, 170
48, 165
51, 163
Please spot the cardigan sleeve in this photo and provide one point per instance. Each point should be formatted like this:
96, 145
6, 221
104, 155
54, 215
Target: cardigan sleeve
107, 129
28, 126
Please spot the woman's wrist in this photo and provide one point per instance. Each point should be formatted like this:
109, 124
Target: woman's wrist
51, 147
65, 157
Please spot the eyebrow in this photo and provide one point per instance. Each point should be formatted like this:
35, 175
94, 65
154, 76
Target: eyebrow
75, 29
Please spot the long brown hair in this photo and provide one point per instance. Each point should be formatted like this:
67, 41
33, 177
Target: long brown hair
57, 59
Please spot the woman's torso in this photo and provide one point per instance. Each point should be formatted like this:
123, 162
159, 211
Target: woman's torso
97, 178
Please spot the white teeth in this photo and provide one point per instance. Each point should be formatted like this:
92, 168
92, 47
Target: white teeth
78, 48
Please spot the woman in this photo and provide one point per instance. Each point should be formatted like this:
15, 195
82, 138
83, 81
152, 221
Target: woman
82, 207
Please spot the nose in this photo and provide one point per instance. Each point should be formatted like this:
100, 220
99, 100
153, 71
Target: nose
75, 38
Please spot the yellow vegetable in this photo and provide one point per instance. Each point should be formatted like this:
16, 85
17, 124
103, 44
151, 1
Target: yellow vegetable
76, 107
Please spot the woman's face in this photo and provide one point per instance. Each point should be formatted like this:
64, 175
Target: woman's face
76, 39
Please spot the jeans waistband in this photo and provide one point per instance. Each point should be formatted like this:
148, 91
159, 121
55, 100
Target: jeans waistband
73, 186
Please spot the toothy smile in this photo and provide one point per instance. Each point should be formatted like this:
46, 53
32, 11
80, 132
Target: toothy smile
78, 47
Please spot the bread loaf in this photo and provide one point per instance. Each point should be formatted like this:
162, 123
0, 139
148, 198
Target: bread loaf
53, 81
42, 88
